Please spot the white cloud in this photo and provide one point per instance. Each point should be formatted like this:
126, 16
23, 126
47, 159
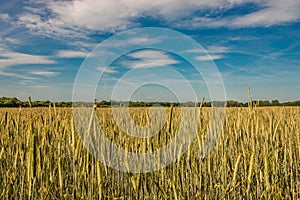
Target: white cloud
149, 54
132, 39
17, 75
211, 53
84, 45
78, 18
218, 49
5, 17
30, 19
211, 50
209, 57
148, 59
71, 54
14, 58
48, 26
109, 70
272, 12
108, 15
105, 15
242, 38
11, 40
44, 73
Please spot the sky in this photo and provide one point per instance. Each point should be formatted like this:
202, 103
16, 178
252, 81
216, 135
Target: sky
48, 47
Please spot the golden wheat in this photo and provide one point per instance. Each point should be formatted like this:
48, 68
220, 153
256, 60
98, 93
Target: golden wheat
256, 157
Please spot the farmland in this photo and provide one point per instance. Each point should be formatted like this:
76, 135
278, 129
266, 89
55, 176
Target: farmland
256, 156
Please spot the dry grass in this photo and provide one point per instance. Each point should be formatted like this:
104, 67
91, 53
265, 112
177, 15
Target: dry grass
256, 157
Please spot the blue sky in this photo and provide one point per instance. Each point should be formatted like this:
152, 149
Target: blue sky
257, 42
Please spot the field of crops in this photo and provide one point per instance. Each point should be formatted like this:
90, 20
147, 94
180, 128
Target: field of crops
256, 157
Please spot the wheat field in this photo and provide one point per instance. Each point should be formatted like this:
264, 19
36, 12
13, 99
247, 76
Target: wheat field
257, 156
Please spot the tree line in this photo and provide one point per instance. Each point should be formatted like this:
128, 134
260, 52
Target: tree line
14, 102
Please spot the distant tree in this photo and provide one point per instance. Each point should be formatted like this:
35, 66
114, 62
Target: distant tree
207, 104
264, 103
275, 102
10, 102
295, 103
103, 104
232, 103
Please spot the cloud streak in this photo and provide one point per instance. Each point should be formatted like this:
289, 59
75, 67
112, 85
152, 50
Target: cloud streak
211, 53
108, 70
209, 57
44, 73
14, 58
149, 59
71, 54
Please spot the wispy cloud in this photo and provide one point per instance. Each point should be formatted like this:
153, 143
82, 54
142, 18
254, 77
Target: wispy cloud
10, 40
14, 58
133, 40
5, 17
108, 70
9, 59
211, 50
18, 75
71, 54
84, 45
208, 57
149, 59
238, 68
242, 38
271, 12
44, 73
46, 25
211, 53
218, 49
